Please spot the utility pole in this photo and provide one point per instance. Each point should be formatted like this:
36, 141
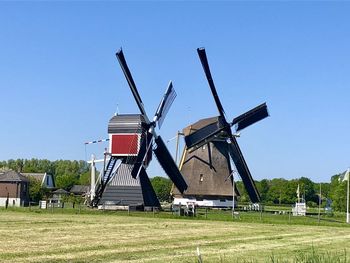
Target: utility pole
178, 134
177, 145
93, 178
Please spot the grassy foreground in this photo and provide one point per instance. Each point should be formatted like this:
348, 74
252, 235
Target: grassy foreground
46, 237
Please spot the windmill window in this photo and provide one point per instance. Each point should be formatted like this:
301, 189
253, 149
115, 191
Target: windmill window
201, 178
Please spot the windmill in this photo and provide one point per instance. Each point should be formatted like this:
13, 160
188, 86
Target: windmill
132, 138
210, 147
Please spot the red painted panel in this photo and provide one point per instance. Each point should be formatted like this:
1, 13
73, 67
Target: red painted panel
124, 144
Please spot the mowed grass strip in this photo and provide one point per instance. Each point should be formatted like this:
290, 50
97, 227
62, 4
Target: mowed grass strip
44, 237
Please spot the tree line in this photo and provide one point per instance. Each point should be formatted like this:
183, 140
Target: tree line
279, 191
273, 191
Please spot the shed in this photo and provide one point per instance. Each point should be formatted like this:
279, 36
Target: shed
81, 190
58, 194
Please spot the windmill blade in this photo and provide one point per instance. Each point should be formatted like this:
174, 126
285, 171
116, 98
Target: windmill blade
148, 193
203, 57
242, 168
132, 85
250, 117
165, 104
144, 156
205, 134
168, 164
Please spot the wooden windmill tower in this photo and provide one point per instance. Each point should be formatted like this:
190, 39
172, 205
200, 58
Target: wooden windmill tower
132, 139
210, 147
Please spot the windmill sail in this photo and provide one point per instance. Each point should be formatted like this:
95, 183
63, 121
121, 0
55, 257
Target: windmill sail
222, 129
130, 80
148, 193
204, 60
250, 117
242, 169
160, 151
204, 134
168, 164
165, 104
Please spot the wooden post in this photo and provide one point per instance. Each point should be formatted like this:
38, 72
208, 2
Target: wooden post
319, 205
348, 197
289, 216
199, 255
7, 200
233, 194
206, 213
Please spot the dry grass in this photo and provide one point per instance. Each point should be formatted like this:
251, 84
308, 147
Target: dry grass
36, 237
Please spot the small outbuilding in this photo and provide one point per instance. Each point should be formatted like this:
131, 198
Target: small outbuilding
14, 189
58, 195
80, 190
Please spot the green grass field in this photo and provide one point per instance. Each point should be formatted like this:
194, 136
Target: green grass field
116, 237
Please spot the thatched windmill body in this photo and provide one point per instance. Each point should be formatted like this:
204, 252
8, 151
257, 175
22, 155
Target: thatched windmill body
210, 148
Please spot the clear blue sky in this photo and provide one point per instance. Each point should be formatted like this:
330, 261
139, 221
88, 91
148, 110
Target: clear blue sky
60, 81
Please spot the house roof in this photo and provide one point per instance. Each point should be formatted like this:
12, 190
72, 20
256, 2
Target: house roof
41, 177
37, 176
12, 176
60, 191
3, 170
80, 189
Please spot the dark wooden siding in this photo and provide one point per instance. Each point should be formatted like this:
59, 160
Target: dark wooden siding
123, 195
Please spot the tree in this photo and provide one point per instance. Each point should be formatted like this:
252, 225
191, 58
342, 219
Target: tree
308, 189
277, 194
85, 178
66, 181
243, 195
162, 187
36, 191
263, 187
338, 193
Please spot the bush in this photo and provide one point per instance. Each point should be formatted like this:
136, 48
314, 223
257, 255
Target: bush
162, 187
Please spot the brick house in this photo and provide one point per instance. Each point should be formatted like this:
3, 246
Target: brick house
14, 188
